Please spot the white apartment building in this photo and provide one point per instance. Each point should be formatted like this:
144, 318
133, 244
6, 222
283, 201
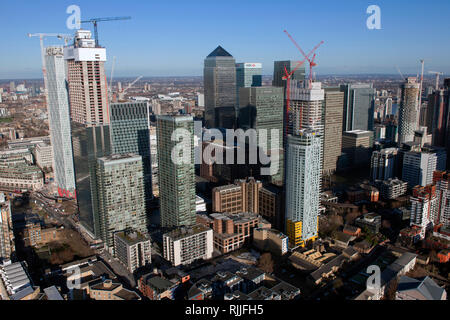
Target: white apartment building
184, 245
132, 249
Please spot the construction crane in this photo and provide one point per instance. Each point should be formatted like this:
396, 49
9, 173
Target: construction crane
401, 74
287, 76
122, 94
437, 77
311, 61
94, 21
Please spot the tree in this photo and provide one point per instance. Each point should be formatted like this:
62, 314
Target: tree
265, 262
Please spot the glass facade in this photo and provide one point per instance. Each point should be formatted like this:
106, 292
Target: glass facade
359, 106
247, 75
130, 133
176, 180
219, 76
59, 121
262, 108
89, 143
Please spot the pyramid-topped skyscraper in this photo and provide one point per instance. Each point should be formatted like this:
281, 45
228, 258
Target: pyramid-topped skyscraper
219, 76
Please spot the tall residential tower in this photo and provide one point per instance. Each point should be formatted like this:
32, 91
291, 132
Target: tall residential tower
176, 170
59, 121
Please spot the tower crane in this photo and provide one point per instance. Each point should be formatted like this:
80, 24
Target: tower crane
95, 21
122, 94
437, 77
311, 61
287, 76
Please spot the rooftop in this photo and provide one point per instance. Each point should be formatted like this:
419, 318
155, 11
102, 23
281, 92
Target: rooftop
219, 52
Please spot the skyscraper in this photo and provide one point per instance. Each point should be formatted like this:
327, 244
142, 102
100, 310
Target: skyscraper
262, 108
437, 116
176, 170
130, 133
304, 163
121, 197
303, 185
279, 72
219, 76
89, 121
332, 122
248, 74
408, 111
59, 122
359, 106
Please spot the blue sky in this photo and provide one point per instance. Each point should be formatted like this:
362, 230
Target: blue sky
168, 38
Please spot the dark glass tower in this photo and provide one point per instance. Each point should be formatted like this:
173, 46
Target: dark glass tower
130, 133
219, 76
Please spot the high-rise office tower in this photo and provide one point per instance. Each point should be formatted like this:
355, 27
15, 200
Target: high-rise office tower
359, 106
89, 121
303, 185
130, 133
176, 170
437, 115
59, 122
279, 72
442, 181
6, 229
332, 134
384, 164
261, 108
424, 205
12, 87
357, 145
219, 76
248, 74
121, 197
409, 110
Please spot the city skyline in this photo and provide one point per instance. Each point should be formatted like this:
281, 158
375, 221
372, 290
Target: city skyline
350, 47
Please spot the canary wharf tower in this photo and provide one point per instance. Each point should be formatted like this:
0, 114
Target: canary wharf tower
219, 76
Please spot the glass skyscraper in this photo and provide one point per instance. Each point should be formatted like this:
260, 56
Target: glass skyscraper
262, 108
279, 73
130, 133
248, 74
59, 121
359, 106
219, 76
176, 170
